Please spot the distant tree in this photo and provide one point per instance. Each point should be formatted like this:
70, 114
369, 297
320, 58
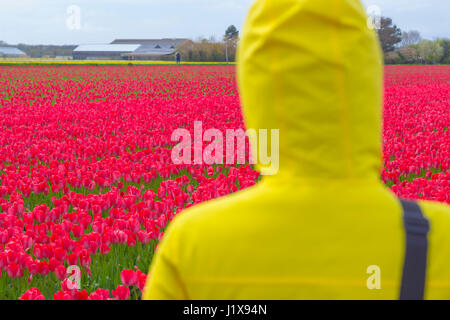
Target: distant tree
203, 51
2, 43
38, 51
390, 35
231, 33
408, 55
231, 38
410, 37
445, 44
392, 58
430, 51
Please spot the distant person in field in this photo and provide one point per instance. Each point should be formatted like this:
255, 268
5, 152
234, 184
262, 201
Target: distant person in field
178, 57
324, 227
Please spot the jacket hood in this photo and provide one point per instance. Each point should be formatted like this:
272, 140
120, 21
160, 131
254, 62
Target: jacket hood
313, 70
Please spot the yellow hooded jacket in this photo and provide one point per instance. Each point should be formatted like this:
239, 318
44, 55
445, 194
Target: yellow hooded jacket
325, 225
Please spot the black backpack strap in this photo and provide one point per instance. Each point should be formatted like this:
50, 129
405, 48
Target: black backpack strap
417, 228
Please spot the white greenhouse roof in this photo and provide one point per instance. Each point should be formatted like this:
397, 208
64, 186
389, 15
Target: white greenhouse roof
11, 51
107, 47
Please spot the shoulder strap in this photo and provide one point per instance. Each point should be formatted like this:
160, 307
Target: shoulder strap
417, 228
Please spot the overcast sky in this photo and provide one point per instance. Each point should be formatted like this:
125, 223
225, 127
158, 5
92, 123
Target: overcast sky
101, 21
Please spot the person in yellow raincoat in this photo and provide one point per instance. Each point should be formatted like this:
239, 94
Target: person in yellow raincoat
325, 226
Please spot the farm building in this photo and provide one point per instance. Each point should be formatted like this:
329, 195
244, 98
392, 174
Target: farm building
129, 49
103, 51
11, 52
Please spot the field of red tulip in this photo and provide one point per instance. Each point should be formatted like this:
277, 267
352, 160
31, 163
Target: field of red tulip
87, 180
